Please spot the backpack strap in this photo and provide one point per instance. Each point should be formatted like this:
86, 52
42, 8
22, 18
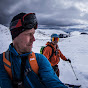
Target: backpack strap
33, 62
7, 63
52, 51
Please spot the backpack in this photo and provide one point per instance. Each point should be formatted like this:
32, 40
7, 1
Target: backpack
42, 49
7, 63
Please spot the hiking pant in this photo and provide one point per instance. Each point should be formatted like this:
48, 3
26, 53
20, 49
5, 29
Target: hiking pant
56, 69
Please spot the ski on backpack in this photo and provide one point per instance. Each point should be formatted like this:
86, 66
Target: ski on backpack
72, 85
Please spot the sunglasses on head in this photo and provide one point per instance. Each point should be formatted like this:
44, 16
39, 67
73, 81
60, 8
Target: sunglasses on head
28, 21
55, 39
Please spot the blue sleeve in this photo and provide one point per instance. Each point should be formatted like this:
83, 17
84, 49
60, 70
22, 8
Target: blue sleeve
47, 74
5, 81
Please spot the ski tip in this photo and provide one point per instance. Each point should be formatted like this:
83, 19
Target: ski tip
76, 79
72, 85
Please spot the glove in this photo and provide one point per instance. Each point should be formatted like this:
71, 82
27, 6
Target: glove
68, 60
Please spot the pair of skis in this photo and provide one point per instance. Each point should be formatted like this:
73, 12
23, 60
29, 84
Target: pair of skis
72, 85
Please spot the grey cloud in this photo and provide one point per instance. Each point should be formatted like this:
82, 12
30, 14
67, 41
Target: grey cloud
5, 6
49, 12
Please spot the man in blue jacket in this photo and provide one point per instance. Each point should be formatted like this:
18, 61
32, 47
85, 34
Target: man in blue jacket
19, 66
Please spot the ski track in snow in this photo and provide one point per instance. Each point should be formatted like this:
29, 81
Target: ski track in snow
74, 48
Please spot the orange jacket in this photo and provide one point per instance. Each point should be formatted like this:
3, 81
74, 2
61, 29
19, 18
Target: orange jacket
55, 58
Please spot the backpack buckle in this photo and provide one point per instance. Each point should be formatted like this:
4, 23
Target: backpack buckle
18, 84
27, 70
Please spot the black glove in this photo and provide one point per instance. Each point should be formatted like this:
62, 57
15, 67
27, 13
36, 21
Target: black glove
68, 60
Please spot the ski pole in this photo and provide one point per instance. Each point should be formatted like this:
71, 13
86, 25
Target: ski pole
74, 71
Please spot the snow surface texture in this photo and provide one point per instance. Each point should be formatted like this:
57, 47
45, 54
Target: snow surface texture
5, 38
74, 47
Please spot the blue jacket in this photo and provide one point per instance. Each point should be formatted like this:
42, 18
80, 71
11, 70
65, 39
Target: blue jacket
46, 79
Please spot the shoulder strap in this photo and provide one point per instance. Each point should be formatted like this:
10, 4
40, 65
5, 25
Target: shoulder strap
33, 62
52, 51
7, 63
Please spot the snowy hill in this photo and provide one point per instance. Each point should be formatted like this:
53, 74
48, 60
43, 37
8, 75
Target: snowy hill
5, 38
46, 33
74, 48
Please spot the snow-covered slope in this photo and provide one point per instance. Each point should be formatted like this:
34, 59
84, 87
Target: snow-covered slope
74, 48
46, 33
5, 38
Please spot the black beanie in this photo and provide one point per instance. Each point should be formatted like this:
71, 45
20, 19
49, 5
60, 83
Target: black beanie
16, 31
19, 25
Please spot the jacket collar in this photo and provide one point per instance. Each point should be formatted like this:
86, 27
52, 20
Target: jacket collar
12, 50
50, 44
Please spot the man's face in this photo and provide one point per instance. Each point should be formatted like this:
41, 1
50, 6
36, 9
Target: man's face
55, 40
24, 41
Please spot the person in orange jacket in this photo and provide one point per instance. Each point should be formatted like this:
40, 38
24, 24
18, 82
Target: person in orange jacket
53, 53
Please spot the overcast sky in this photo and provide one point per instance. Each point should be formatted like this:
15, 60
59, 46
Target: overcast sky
48, 12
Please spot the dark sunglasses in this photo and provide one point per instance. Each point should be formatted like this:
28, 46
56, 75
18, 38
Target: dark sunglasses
28, 21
